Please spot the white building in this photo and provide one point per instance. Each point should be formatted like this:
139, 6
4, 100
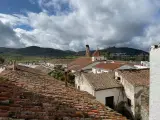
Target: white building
96, 56
134, 82
2, 68
154, 82
140, 66
145, 63
103, 86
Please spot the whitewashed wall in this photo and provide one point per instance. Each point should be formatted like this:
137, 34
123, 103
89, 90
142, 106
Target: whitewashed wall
154, 84
140, 67
28, 65
84, 85
97, 70
2, 69
116, 92
98, 58
129, 91
138, 90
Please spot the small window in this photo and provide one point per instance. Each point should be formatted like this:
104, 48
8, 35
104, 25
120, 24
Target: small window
78, 87
118, 78
129, 102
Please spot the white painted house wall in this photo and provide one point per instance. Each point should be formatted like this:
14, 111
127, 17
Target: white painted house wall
129, 91
116, 92
28, 65
2, 69
98, 58
140, 67
145, 63
98, 71
154, 83
83, 84
101, 94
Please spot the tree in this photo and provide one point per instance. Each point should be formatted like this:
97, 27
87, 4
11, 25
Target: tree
2, 60
60, 75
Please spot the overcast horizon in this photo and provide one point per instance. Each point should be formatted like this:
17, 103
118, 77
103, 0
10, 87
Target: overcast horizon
71, 24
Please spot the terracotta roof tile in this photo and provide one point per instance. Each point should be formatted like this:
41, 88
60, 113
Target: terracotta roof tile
79, 63
109, 66
35, 96
102, 81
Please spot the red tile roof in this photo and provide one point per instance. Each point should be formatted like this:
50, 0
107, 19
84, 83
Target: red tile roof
96, 53
80, 63
109, 66
25, 95
136, 77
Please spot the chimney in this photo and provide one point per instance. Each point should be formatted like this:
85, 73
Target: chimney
14, 66
66, 78
87, 51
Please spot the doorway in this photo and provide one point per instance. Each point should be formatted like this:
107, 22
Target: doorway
109, 101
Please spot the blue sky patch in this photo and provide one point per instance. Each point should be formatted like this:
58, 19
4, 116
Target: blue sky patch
18, 6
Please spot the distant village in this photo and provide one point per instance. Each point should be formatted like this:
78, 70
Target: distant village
103, 89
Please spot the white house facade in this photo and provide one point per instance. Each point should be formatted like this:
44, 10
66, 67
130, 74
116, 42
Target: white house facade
154, 82
133, 87
112, 93
2, 68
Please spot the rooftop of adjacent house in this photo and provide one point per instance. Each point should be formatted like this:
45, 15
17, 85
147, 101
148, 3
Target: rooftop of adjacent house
80, 63
102, 81
109, 66
24, 94
137, 77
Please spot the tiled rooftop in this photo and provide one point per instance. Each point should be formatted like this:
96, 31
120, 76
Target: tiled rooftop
136, 77
28, 95
102, 81
79, 63
109, 66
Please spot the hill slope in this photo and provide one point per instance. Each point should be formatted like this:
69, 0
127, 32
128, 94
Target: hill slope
126, 50
35, 51
50, 52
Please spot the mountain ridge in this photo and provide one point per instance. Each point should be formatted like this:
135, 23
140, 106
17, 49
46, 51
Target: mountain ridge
41, 51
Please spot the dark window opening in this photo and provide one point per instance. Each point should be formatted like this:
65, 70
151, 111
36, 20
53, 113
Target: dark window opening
109, 101
129, 102
78, 87
118, 78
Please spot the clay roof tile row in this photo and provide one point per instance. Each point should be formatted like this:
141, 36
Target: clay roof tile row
27, 95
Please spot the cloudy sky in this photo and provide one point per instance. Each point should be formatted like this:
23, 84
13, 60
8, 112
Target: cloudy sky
70, 24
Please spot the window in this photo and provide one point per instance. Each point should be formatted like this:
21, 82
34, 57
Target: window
118, 78
109, 101
129, 102
78, 87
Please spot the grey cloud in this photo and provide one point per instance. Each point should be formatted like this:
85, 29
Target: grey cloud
8, 37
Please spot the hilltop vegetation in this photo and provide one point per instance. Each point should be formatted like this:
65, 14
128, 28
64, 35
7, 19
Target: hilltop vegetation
35, 53
2, 60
